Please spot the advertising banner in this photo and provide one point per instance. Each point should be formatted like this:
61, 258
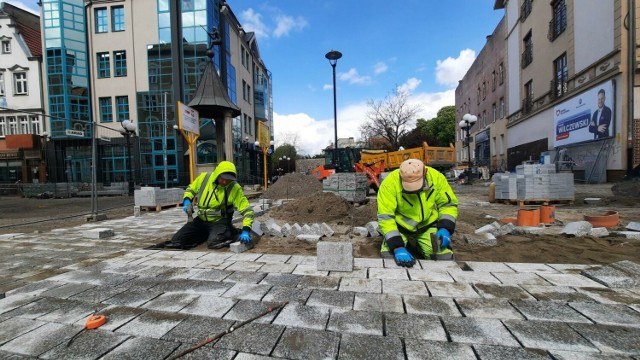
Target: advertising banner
587, 117
188, 119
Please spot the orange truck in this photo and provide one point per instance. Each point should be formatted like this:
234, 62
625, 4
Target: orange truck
375, 162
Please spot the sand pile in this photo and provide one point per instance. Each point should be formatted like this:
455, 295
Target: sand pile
293, 186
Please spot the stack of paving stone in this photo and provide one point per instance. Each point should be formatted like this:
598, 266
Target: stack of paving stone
351, 186
307, 232
535, 182
154, 196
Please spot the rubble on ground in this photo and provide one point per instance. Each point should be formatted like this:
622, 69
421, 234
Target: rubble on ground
293, 186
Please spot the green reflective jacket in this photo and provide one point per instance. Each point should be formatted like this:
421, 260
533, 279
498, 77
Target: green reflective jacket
211, 204
435, 206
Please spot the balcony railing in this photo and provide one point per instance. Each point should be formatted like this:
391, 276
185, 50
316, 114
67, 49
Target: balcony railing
557, 25
527, 57
527, 105
525, 9
558, 88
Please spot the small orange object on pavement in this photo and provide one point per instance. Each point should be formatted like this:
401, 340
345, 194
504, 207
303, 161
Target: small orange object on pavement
95, 321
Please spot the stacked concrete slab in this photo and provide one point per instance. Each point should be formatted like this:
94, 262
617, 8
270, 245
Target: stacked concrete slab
153, 196
351, 186
535, 182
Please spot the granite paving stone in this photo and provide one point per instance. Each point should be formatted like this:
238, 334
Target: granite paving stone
408, 287
416, 304
474, 277
611, 339
181, 273
67, 290
331, 299
89, 345
278, 268
252, 338
549, 311
70, 311
303, 344
210, 274
355, 273
245, 257
14, 327
116, 316
209, 305
247, 309
421, 349
531, 267
573, 355
152, 324
41, 340
218, 257
391, 264
245, 266
358, 346
431, 265
15, 301
247, 291
395, 274
37, 308
361, 285
378, 302
170, 302
281, 294
483, 266
36, 288
302, 260
478, 331
570, 268
247, 356
414, 326
611, 296
521, 279
491, 352
556, 293
98, 294
319, 282
573, 280
497, 291
273, 258
608, 314
309, 270
193, 287
487, 308
457, 290
367, 263
548, 335
133, 298
141, 348
612, 277
246, 277
430, 275
297, 315
205, 352
360, 322
289, 280
196, 328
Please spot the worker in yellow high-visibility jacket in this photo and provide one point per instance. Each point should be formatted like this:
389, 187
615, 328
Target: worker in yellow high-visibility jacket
217, 196
414, 202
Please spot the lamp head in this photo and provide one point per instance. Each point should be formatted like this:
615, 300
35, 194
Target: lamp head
333, 56
175, 127
462, 123
257, 143
472, 119
129, 125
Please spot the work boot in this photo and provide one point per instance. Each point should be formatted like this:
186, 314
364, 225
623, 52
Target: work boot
219, 244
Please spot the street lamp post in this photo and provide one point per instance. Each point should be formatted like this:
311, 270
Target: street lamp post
129, 128
465, 124
333, 57
264, 148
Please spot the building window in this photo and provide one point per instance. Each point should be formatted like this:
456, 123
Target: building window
484, 90
493, 146
527, 54
501, 73
104, 65
525, 9
120, 63
478, 95
484, 118
2, 84
24, 124
501, 108
249, 94
101, 20
106, 110
13, 125
493, 81
495, 112
117, 18
527, 102
35, 124
560, 83
3, 127
6, 46
501, 147
20, 83
122, 107
153, 75
558, 23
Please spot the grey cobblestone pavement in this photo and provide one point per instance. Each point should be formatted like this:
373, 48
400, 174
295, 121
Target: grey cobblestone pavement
159, 303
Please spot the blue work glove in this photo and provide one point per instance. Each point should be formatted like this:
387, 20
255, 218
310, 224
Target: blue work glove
245, 238
185, 205
445, 238
403, 258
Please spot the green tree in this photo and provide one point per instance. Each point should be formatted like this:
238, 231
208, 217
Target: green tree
441, 130
284, 151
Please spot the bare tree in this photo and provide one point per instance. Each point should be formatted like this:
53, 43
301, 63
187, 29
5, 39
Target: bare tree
289, 138
389, 118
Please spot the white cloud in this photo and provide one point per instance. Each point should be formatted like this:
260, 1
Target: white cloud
252, 21
409, 85
353, 77
379, 68
287, 23
327, 87
449, 71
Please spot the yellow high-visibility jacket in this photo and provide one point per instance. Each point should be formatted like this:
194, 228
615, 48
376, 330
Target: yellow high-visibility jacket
211, 204
434, 206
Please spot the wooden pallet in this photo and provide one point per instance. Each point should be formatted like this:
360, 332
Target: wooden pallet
158, 207
522, 203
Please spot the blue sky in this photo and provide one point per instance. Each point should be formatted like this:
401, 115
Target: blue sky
422, 46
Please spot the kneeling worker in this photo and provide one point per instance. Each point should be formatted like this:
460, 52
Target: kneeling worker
217, 195
414, 202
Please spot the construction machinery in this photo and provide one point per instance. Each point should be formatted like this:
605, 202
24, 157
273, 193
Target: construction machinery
375, 162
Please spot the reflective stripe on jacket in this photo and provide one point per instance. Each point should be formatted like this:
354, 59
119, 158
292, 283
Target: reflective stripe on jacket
210, 204
436, 205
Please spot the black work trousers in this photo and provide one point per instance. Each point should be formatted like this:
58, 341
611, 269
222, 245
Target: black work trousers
198, 231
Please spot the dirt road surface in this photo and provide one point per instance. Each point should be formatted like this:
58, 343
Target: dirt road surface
341, 216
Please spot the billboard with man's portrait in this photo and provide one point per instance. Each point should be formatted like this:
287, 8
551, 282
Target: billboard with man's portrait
586, 117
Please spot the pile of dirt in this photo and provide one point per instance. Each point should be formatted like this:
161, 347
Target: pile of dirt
325, 207
293, 186
626, 192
